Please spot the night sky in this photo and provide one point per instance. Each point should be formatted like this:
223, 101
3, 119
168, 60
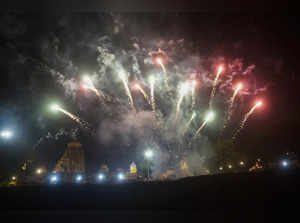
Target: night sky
68, 43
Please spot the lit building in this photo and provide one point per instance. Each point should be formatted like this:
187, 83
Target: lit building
72, 161
132, 172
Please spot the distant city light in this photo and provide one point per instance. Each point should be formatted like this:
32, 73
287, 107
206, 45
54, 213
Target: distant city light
220, 168
13, 177
229, 166
242, 163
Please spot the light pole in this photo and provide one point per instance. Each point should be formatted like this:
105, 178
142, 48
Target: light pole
148, 156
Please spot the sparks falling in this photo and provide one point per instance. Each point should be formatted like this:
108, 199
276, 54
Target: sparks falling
88, 84
189, 123
160, 62
213, 92
208, 118
123, 78
193, 93
258, 104
182, 93
70, 115
231, 101
137, 86
152, 81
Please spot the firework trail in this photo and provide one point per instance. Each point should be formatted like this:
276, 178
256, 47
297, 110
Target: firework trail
208, 118
182, 93
258, 104
137, 86
231, 101
159, 61
189, 123
70, 115
123, 78
88, 84
213, 92
152, 81
201, 127
193, 93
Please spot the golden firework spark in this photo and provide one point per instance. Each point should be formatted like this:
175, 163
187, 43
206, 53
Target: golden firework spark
231, 101
152, 81
137, 86
247, 115
209, 117
189, 123
124, 80
193, 93
213, 92
56, 107
88, 84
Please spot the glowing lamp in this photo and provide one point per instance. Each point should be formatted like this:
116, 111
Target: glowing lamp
121, 176
6, 134
149, 154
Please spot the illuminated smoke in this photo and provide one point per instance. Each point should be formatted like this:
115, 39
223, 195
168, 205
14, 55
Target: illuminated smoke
182, 93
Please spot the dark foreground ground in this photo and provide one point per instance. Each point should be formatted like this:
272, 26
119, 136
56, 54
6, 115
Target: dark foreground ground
260, 197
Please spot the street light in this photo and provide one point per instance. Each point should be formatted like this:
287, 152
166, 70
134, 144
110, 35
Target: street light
242, 163
121, 176
78, 178
284, 163
6, 134
100, 177
148, 156
14, 178
53, 179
